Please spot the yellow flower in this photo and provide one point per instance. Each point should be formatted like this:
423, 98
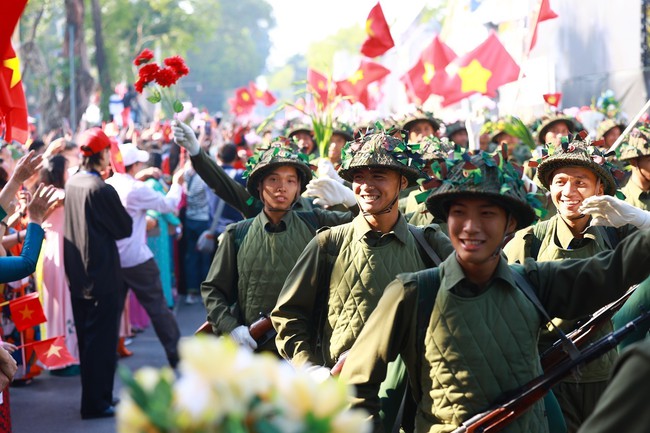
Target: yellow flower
130, 417
351, 421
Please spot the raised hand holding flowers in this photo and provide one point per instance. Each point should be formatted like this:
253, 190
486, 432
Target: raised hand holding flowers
160, 79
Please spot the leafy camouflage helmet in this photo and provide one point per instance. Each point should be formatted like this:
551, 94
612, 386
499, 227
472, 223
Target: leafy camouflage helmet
280, 152
636, 143
381, 150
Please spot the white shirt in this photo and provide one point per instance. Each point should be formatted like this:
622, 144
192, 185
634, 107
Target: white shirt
138, 198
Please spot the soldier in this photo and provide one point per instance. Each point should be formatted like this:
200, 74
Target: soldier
467, 331
255, 255
554, 127
635, 150
339, 278
572, 173
420, 124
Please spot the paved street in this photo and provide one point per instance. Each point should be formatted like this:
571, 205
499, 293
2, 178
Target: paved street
51, 404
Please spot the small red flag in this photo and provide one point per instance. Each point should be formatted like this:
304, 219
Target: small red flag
237, 109
482, 70
545, 13
11, 12
368, 72
427, 76
53, 353
264, 96
553, 99
116, 157
27, 311
379, 39
318, 83
244, 97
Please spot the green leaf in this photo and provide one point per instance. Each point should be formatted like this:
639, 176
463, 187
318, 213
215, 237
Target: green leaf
155, 97
178, 106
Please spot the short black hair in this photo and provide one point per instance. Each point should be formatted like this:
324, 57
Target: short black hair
227, 153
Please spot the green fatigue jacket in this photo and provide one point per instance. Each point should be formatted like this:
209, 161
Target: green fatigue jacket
556, 242
479, 344
636, 196
329, 295
623, 406
250, 271
231, 191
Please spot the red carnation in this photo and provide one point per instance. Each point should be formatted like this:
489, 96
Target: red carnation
139, 85
147, 73
166, 77
143, 57
178, 65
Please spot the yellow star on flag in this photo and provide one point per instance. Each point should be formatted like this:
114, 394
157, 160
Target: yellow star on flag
356, 77
26, 313
321, 85
369, 28
14, 65
54, 351
245, 96
552, 100
259, 93
474, 77
429, 72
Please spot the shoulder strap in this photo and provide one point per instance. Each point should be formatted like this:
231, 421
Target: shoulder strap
418, 234
241, 229
519, 274
539, 231
428, 283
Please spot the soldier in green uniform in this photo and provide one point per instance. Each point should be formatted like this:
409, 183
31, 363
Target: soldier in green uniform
477, 340
574, 171
255, 255
635, 150
338, 280
623, 407
419, 124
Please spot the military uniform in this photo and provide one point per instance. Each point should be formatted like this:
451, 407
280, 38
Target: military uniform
636, 196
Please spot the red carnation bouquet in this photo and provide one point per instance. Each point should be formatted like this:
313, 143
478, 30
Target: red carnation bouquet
160, 79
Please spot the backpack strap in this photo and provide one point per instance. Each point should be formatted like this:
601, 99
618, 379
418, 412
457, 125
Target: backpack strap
519, 274
418, 234
310, 219
241, 229
539, 231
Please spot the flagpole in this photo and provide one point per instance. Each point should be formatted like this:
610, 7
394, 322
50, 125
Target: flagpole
22, 351
527, 50
629, 127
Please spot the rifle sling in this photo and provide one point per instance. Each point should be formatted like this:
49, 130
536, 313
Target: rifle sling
417, 233
568, 345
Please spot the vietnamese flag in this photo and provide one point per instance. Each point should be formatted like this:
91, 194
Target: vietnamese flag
553, 99
11, 12
427, 75
264, 96
237, 109
545, 13
52, 353
27, 311
355, 85
379, 39
13, 105
318, 84
482, 70
244, 97
116, 157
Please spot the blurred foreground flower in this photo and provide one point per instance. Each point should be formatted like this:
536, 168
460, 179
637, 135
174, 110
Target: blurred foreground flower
225, 388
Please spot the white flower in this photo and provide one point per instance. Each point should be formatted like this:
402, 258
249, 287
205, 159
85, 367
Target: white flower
351, 421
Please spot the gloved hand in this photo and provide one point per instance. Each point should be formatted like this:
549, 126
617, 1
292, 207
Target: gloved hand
185, 137
326, 169
606, 210
242, 336
319, 373
330, 192
473, 126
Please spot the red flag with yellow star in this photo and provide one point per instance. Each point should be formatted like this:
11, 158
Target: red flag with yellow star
367, 72
379, 39
265, 96
318, 84
244, 98
426, 76
13, 106
27, 311
52, 353
482, 70
11, 12
545, 13
552, 99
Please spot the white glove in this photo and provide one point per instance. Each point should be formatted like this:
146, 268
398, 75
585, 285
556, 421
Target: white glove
319, 373
326, 169
330, 192
185, 137
473, 126
242, 336
606, 210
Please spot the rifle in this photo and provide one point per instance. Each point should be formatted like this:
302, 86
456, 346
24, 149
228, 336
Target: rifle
261, 330
500, 415
580, 336
336, 370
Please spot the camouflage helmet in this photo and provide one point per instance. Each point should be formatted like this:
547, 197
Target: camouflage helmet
636, 143
549, 122
381, 150
410, 118
280, 152
486, 175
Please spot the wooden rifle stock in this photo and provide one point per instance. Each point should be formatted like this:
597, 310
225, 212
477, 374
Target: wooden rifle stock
581, 335
500, 415
261, 330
